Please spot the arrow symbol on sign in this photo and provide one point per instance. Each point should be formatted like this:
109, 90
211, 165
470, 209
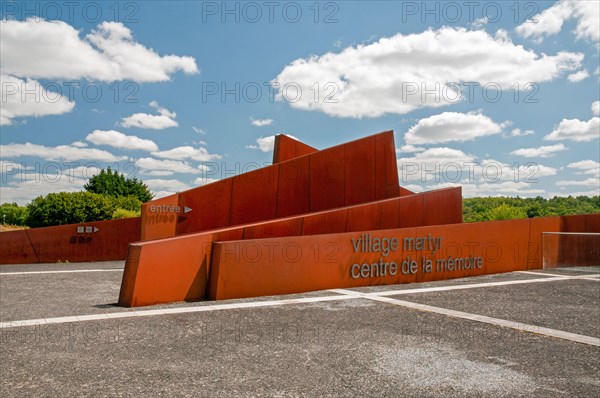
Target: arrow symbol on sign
96, 229
186, 210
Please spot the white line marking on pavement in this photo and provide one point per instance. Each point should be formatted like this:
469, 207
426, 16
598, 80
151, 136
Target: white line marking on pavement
523, 327
472, 286
167, 311
342, 294
591, 277
73, 271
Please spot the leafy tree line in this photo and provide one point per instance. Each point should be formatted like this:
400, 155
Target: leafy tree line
108, 195
507, 208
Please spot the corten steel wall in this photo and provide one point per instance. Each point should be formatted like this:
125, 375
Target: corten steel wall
63, 243
177, 268
250, 268
158, 223
573, 250
287, 148
405, 192
356, 172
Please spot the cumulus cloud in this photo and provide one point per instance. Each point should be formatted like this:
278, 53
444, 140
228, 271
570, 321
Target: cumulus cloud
451, 126
551, 20
23, 191
586, 167
117, 139
540, 152
409, 149
166, 185
187, 152
590, 182
266, 144
163, 120
23, 98
108, 53
519, 133
261, 122
204, 180
575, 130
443, 167
578, 76
390, 75
79, 144
170, 166
60, 152
596, 108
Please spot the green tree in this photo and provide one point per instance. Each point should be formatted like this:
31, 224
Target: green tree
483, 209
111, 183
13, 214
129, 203
506, 212
69, 208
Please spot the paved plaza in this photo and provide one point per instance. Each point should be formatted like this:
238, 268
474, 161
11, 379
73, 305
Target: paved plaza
521, 334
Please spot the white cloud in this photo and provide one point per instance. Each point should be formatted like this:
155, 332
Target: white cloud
590, 182
551, 20
541, 152
168, 185
187, 152
119, 140
22, 183
586, 166
79, 144
23, 191
480, 22
451, 126
23, 98
593, 192
163, 120
157, 173
266, 144
596, 108
261, 122
169, 166
444, 167
61, 152
198, 130
521, 133
204, 180
53, 50
375, 79
576, 130
409, 149
578, 76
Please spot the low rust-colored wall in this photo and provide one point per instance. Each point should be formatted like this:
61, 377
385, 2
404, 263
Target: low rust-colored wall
64, 243
250, 268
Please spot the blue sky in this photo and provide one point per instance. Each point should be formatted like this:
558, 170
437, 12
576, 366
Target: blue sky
511, 107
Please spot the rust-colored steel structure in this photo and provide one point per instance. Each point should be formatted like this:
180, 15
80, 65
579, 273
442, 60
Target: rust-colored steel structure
314, 219
90, 241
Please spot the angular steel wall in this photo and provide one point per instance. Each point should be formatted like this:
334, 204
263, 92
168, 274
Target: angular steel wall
178, 268
355, 172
